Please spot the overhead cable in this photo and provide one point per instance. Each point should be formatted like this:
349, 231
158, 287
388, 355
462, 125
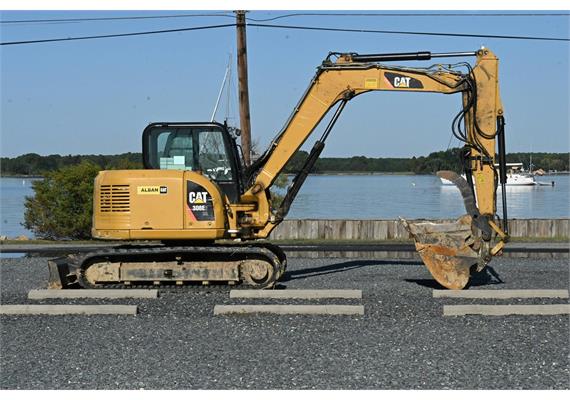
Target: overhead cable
411, 14
329, 29
132, 17
290, 15
293, 27
195, 28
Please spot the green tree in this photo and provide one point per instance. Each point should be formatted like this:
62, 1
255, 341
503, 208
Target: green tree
62, 205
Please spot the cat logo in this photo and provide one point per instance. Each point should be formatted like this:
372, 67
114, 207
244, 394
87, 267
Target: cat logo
399, 81
402, 81
197, 197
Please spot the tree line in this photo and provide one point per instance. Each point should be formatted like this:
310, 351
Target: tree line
37, 165
436, 161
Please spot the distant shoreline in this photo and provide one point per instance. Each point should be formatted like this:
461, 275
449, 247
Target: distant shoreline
333, 173
33, 165
346, 173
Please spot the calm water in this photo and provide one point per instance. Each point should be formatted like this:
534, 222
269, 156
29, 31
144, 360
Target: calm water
416, 196
357, 197
12, 194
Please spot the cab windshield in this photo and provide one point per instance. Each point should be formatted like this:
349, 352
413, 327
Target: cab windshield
197, 148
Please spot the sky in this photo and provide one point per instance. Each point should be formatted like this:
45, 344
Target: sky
96, 96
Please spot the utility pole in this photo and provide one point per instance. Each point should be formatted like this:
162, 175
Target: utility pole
243, 87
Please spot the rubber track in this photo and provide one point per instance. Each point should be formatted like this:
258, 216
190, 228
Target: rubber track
266, 251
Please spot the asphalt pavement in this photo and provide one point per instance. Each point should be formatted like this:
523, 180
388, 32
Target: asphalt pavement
402, 341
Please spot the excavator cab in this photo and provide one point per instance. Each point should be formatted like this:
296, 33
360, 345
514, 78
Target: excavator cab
206, 148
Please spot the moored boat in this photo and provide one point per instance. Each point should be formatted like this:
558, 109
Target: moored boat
516, 176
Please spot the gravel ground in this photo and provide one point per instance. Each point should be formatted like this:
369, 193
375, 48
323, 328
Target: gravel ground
402, 341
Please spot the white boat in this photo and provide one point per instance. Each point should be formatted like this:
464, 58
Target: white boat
516, 176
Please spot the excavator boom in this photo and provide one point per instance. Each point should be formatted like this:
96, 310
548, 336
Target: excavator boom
449, 251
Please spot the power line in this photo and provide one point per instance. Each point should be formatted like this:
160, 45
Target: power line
134, 17
290, 15
295, 27
409, 15
196, 28
315, 28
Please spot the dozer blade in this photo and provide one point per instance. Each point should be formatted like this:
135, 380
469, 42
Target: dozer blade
449, 250
61, 275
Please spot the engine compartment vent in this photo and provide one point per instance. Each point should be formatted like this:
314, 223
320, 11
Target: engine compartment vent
115, 198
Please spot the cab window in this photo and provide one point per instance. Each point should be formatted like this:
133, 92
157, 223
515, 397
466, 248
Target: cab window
200, 149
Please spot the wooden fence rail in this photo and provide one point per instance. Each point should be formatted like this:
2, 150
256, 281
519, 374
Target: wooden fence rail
393, 229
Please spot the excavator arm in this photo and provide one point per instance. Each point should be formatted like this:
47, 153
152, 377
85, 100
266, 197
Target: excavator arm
449, 251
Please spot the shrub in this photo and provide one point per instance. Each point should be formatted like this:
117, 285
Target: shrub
278, 191
62, 205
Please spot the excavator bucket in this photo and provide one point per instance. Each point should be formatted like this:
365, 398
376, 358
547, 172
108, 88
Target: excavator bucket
446, 250
449, 250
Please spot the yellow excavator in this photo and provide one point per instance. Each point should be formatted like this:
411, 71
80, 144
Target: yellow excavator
198, 210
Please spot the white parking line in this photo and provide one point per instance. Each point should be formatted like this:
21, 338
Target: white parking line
39, 294
502, 294
296, 294
480, 309
289, 309
64, 309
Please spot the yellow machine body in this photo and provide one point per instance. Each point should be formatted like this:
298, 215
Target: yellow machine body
157, 205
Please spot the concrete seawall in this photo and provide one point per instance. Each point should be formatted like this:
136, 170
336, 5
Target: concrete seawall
378, 230
323, 229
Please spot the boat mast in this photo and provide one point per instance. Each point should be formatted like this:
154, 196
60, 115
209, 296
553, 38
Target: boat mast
221, 90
